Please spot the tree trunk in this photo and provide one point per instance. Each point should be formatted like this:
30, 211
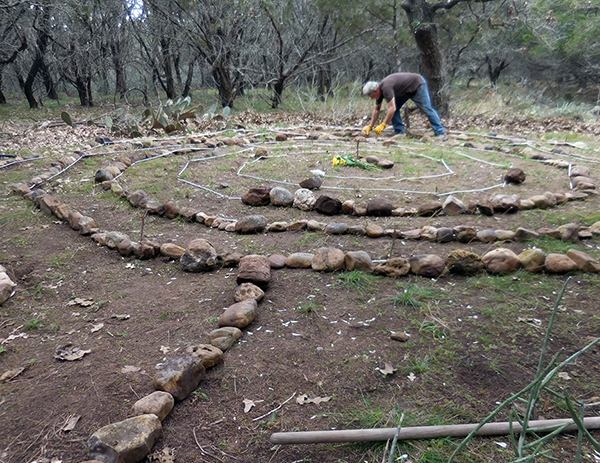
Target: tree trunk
27, 85
2, 97
188, 80
48, 82
120, 77
222, 76
423, 21
168, 68
277, 92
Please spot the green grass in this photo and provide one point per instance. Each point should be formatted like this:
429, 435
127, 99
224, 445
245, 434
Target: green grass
356, 280
33, 324
413, 296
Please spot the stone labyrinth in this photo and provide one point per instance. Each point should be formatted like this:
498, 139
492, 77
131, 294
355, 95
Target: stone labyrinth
284, 181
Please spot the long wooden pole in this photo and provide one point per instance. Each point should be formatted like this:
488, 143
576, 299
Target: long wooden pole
423, 432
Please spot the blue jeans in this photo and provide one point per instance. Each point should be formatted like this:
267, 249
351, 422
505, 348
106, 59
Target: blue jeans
423, 102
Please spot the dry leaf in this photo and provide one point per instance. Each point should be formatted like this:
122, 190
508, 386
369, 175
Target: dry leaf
166, 455
303, 399
165, 349
564, 375
10, 374
121, 316
81, 302
248, 404
130, 369
71, 422
411, 377
388, 370
97, 327
70, 353
13, 336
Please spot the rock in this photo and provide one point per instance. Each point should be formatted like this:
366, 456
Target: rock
360, 209
200, 256
453, 206
257, 196
313, 183
550, 233
299, 260
394, 267
429, 233
335, 228
73, 219
465, 234
526, 205
559, 263
128, 441
304, 199
374, 231
569, 232
485, 207
514, 175
277, 227
522, 234
209, 354
314, 225
429, 208
138, 198
584, 261
113, 239
102, 175
179, 376
327, 205
6, 286
281, 137
298, 225
328, 260
463, 262
154, 207
487, 236
501, 261
158, 403
541, 201
506, 203
427, 265
276, 261
126, 247
87, 225
348, 207
414, 234
248, 291
372, 159
400, 336
239, 315
47, 204
532, 260
172, 251
360, 230
385, 164
380, 207
254, 269
358, 260
445, 235
580, 171
505, 235
251, 224
171, 210
21, 188
281, 196
225, 337
146, 250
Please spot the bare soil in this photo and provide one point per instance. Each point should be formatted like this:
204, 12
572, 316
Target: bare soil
473, 341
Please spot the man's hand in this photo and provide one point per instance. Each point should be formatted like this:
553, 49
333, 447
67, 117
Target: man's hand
367, 130
380, 128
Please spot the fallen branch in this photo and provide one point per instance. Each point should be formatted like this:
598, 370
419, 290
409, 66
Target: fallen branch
275, 409
425, 432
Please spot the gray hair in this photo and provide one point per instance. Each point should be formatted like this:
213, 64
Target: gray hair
370, 87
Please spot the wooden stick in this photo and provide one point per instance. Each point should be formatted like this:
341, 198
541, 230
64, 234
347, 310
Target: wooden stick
422, 432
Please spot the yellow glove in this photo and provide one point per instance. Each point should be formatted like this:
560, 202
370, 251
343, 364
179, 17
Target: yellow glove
380, 128
367, 129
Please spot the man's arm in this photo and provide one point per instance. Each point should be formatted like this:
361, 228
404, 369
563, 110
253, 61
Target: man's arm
391, 109
375, 114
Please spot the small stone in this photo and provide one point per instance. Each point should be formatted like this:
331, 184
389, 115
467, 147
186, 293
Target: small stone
276, 261
172, 251
224, 338
248, 291
102, 175
251, 224
453, 206
559, 264
501, 261
239, 315
358, 260
299, 260
505, 235
429, 208
584, 261
400, 336
427, 265
463, 262
6, 286
200, 256
179, 376
515, 175
210, 355
277, 227
487, 236
375, 231
394, 267
380, 207
304, 199
128, 441
327, 205
158, 403
313, 183
257, 196
281, 196
254, 269
328, 260
335, 228
522, 234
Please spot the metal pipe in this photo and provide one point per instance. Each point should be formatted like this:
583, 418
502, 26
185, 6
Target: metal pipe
424, 432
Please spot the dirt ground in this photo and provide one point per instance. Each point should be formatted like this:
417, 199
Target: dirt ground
473, 341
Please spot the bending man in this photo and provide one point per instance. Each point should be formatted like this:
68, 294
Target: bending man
397, 89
